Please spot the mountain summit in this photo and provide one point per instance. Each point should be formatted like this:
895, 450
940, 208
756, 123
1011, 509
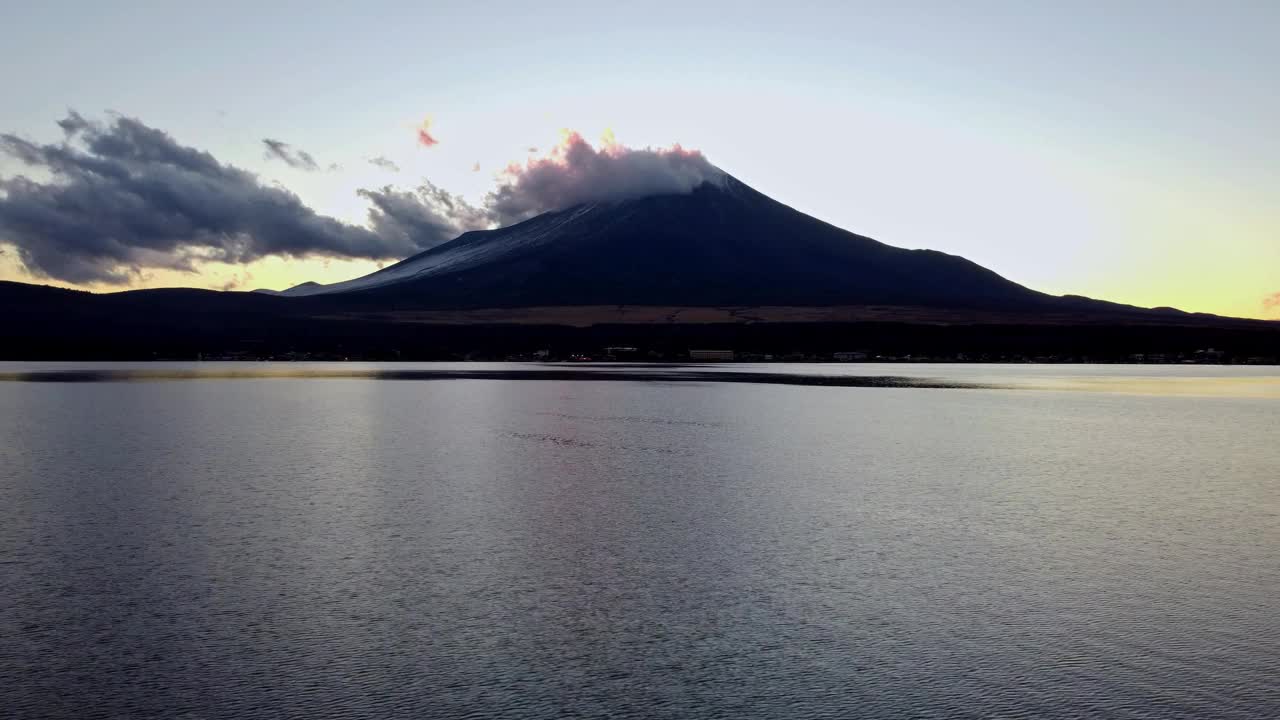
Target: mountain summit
718, 266
722, 243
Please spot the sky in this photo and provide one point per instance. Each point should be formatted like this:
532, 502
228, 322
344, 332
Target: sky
1120, 150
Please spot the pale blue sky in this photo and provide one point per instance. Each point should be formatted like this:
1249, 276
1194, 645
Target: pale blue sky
1126, 150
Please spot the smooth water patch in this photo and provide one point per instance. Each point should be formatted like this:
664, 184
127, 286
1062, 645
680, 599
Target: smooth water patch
668, 547
1204, 381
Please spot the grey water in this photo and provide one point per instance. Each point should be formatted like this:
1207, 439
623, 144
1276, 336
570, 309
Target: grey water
248, 540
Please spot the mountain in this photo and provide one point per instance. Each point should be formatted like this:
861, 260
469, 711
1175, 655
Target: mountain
721, 266
722, 244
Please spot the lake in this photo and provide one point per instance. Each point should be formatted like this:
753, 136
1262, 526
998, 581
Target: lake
295, 540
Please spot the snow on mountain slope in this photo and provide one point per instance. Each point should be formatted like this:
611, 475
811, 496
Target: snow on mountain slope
722, 243
466, 250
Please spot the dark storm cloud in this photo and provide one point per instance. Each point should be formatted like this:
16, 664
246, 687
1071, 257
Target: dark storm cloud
73, 123
293, 157
427, 216
575, 173
115, 199
123, 196
384, 163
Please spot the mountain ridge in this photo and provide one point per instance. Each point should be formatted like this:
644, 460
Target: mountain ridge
720, 244
722, 265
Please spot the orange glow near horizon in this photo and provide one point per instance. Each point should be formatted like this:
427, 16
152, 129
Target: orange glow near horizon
1159, 257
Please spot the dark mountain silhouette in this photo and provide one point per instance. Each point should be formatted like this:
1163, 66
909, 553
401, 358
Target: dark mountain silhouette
722, 244
720, 266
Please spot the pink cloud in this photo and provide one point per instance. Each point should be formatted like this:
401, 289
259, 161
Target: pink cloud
575, 172
425, 138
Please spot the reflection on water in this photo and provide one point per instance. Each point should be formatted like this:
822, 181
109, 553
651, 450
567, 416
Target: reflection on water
656, 374
1233, 381
682, 542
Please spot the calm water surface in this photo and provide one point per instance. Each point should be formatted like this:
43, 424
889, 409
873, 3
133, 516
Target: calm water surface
778, 541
